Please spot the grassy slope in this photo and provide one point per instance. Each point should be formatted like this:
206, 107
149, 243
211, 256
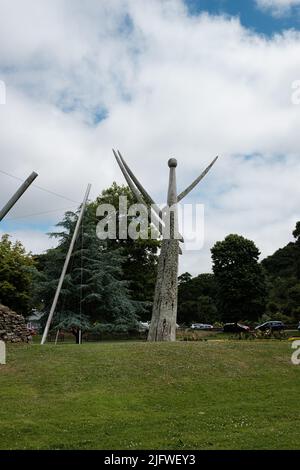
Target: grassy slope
204, 395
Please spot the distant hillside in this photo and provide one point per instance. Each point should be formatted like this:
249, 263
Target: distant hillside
284, 262
283, 273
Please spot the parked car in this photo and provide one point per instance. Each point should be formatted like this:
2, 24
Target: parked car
271, 325
201, 326
143, 326
235, 328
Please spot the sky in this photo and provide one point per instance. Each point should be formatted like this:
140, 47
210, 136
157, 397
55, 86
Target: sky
158, 79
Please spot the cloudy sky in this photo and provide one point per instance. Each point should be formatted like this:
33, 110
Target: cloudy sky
157, 79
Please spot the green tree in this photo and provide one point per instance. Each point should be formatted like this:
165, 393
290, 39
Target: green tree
94, 287
73, 322
283, 275
141, 256
16, 274
208, 312
184, 278
296, 232
284, 262
240, 279
197, 299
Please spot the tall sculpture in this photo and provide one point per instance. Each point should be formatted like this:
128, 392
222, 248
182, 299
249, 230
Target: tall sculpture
164, 312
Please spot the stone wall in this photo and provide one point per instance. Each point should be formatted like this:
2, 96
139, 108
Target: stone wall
12, 326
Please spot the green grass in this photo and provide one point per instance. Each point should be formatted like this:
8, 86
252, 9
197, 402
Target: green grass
184, 395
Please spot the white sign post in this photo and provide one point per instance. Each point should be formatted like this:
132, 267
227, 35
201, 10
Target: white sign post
2, 353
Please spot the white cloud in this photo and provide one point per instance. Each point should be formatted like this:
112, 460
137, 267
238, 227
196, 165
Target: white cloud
35, 241
278, 7
172, 85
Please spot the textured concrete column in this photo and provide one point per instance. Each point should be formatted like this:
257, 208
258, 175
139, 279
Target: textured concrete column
164, 313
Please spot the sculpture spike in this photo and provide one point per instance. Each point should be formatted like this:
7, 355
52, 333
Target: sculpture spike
197, 180
147, 196
135, 191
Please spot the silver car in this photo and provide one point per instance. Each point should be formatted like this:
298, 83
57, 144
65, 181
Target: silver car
201, 326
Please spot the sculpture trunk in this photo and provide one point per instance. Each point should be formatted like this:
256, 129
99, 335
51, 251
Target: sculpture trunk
164, 313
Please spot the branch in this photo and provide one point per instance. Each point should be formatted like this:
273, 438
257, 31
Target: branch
141, 192
136, 193
197, 180
140, 187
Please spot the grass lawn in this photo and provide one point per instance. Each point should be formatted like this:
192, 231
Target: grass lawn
184, 395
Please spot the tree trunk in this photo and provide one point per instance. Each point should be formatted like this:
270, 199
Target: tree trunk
164, 313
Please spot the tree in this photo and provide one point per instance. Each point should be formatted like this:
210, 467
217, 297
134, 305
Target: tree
16, 274
241, 285
93, 288
208, 312
284, 262
141, 256
184, 278
283, 275
75, 323
296, 232
197, 299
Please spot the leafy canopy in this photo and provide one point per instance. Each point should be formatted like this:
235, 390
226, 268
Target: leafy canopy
241, 285
100, 283
17, 269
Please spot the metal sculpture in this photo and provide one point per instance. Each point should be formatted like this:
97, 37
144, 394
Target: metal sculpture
24, 186
164, 311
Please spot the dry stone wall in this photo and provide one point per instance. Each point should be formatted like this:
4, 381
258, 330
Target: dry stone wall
12, 326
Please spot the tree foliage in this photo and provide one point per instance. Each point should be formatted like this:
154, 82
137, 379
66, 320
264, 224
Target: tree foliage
241, 285
141, 256
94, 287
16, 274
283, 274
197, 299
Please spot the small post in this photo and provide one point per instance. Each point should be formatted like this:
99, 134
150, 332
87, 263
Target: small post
17, 195
65, 267
56, 337
2, 352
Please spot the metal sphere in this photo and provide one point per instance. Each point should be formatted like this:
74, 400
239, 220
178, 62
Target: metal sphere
172, 162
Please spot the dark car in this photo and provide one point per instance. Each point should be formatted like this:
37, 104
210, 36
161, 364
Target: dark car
235, 328
271, 325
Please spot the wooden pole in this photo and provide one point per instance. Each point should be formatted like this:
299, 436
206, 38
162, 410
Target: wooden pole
17, 195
